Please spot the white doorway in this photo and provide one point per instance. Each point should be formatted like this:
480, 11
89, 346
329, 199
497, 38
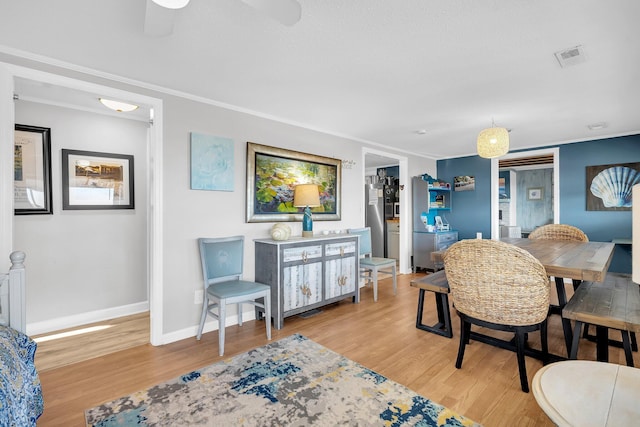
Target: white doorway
373, 159
10, 75
523, 155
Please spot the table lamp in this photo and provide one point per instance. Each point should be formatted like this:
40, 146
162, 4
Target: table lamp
306, 195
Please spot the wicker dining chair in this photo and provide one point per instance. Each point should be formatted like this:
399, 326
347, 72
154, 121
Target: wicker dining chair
498, 286
559, 232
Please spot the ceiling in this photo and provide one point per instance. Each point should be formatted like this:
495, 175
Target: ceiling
422, 76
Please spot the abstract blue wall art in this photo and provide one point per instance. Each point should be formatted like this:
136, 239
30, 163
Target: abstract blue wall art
211, 162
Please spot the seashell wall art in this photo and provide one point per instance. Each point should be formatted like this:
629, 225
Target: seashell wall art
612, 186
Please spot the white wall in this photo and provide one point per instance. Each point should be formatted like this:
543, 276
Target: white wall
84, 261
187, 214
190, 214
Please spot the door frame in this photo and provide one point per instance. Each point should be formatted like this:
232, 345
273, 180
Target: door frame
495, 215
405, 218
8, 74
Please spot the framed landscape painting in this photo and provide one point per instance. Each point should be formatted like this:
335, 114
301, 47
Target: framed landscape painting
273, 173
92, 180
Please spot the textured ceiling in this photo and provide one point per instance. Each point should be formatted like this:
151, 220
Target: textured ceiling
372, 70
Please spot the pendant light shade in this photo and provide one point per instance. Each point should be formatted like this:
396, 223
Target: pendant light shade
493, 142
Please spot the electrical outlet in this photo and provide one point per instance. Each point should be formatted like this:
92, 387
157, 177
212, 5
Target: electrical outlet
198, 296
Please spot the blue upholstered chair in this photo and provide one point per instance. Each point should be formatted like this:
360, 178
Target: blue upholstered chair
370, 266
223, 284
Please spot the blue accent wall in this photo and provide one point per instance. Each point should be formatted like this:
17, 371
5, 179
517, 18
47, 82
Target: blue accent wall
471, 210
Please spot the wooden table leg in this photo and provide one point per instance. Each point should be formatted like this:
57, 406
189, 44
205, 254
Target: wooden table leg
573, 353
602, 343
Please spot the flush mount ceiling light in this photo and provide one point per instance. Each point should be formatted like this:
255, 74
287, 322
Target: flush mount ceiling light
118, 105
172, 4
597, 126
493, 142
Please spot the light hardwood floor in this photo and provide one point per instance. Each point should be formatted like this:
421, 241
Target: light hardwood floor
73, 345
381, 336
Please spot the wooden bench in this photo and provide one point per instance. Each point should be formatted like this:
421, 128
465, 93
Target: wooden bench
611, 304
438, 284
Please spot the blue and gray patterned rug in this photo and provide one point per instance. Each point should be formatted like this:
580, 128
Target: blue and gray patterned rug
291, 382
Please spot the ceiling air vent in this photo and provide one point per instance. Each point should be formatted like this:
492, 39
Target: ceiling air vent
571, 56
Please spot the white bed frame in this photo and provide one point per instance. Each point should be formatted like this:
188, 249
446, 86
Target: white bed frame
12, 294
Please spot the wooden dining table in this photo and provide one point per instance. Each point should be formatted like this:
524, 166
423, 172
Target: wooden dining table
565, 259
569, 259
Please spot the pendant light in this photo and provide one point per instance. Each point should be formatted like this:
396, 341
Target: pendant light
493, 142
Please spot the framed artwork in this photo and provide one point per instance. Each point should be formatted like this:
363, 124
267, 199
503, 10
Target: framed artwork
535, 193
92, 180
464, 183
211, 163
609, 186
273, 173
32, 170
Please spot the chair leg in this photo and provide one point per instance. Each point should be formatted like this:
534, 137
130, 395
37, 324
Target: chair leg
203, 316
395, 283
522, 367
544, 342
267, 311
221, 325
465, 331
374, 273
239, 314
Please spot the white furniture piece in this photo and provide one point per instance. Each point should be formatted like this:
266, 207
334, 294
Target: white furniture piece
222, 262
588, 394
393, 239
13, 294
307, 273
370, 266
510, 231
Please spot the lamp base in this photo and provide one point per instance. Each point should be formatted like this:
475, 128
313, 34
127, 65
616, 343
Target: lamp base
307, 233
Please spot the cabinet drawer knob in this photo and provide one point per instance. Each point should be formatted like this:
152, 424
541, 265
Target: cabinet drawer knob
341, 251
305, 256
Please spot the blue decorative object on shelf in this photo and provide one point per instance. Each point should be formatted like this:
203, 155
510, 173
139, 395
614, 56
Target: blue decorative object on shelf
307, 220
305, 196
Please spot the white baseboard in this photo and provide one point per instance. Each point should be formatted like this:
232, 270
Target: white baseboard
209, 326
56, 324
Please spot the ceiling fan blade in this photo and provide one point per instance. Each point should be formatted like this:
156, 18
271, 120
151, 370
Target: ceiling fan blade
287, 12
158, 20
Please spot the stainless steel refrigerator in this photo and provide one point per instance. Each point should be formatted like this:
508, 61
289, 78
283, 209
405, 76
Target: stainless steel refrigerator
379, 199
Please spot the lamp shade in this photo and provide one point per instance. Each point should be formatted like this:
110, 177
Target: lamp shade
306, 195
493, 142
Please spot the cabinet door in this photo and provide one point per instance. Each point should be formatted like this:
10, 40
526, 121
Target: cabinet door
340, 269
302, 285
302, 276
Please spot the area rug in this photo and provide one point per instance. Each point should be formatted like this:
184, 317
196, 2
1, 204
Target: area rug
290, 382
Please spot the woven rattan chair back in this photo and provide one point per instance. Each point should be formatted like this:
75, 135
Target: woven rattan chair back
497, 282
559, 232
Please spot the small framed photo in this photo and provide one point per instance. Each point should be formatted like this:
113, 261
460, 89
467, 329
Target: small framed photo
534, 193
32, 170
92, 180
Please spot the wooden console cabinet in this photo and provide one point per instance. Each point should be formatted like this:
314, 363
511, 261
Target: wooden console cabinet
307, 273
